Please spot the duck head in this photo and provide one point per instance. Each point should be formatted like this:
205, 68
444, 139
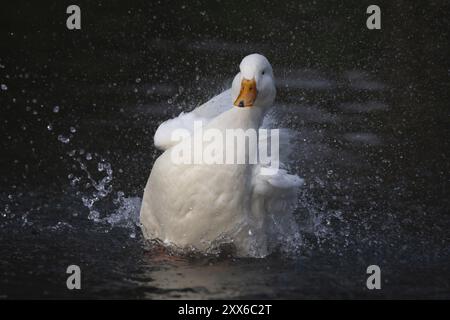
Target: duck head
254, 85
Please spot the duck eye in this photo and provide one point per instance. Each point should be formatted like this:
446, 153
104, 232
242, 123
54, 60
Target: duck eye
263, 72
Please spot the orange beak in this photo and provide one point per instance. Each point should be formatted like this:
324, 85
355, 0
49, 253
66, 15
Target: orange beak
247, 95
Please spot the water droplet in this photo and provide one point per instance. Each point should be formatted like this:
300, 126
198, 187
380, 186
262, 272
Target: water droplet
56, 109
87, 202
74, 181
63, 139
73, 130
88, 156
4, 87
49, 127
93, 215
138, 80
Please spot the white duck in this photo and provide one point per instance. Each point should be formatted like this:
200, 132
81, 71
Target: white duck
203, 205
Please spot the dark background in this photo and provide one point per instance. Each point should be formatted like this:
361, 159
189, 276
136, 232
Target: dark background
135, 64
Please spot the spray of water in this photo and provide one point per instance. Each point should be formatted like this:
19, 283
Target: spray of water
94, 186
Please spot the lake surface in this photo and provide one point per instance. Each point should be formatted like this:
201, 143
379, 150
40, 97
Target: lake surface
79, 110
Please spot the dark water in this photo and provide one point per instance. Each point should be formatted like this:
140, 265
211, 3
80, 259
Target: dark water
372, 109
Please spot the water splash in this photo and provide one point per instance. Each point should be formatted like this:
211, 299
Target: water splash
94, 186
127, 213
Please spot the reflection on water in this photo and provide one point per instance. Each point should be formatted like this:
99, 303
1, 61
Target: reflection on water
79, 112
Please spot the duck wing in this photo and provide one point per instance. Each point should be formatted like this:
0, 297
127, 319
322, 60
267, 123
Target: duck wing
205, 113
275, 190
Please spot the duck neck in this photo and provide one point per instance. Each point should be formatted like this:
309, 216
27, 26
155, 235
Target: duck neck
249, 117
